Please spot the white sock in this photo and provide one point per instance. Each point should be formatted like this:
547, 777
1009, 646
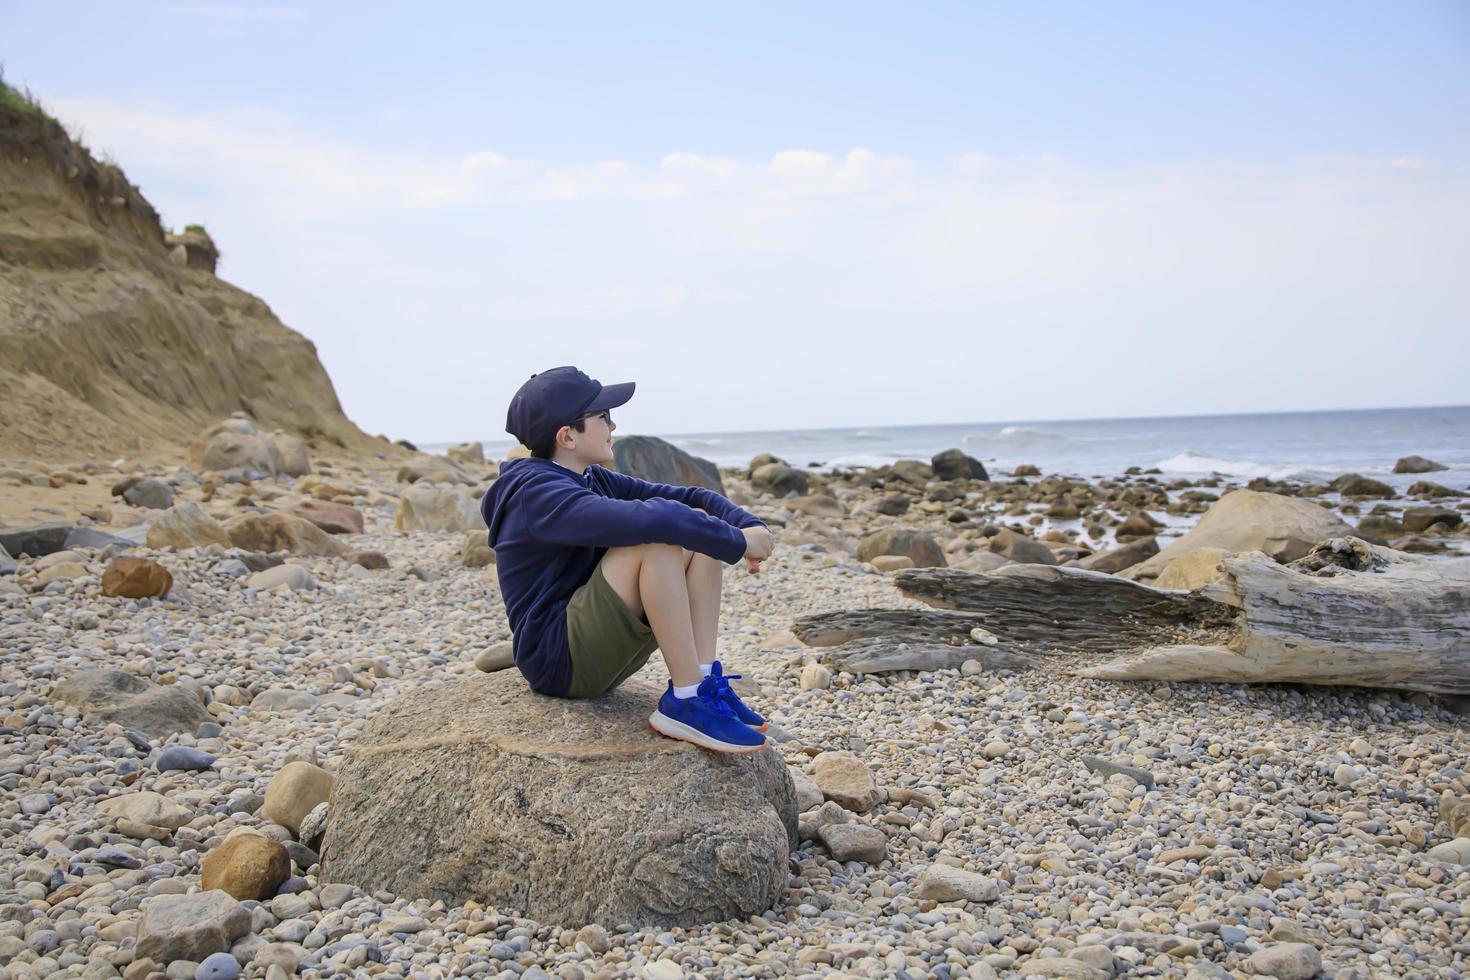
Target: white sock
706, 668
685, 693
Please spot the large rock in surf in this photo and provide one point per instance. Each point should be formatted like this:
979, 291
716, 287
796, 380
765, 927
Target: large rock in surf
569, 811
657, 461
954, 464
1285, 528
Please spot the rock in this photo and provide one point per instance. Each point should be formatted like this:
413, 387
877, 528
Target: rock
314, 825
189, 927
330, 517
658, 461
808, 793
1455, 851
183, 758
434, 469
35, 540
294, 577
918, 546
1286, 528
282, 532
63, 570
1286, 961
246, 865
596, 938
289, 454
995, 749
855, 842
910, 471
218, 966
894, 504
92, 538
1020, 548
498, 656
1063, 967
374, 560
815, 677
846, 780
467, 452
106, 696
1420, 519
942, 883
809, 825
479, 788
1138, 524
476, 552
1428, 488
294, 792
152, 494
780, 480
1417, 464
136, 578
1026, 469
1140, 776
1120, 558
816, 505
149, 808
8, 564
243, 454
891, 563
1356, 485
426, 508
186, 525
1193, 569
953, 464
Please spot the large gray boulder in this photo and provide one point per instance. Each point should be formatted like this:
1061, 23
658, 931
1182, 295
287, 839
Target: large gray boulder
954, 464
156, 710
8, 564
36, 540
190, 927
568, 811
651, 458
1286, 528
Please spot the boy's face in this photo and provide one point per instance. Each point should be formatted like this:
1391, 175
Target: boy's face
594, 445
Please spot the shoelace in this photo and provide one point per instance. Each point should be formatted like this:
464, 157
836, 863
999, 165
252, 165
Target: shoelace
722, 688
717, 703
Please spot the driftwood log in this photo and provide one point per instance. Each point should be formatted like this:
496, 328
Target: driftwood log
1348, 613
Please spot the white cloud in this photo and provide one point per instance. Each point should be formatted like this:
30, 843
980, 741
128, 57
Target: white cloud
797, 284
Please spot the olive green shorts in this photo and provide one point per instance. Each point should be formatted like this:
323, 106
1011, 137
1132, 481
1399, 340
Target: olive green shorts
609, 643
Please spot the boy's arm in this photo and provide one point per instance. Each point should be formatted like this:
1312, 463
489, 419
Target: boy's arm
632, 488
561, 512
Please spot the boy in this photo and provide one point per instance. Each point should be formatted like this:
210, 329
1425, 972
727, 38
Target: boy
599, 569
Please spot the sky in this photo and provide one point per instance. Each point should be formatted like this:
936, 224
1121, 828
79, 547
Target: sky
776, 216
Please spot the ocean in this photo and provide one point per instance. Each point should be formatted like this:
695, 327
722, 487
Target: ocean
1308, 446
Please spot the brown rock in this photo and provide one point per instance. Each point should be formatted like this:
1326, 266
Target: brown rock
330, 517
854, 842
1020, 548
294, 791
914, 544
246, 865
374, 560
136, 578
186, 525
1417, 464
475, 552
1355, 485
846, 780
1419, 519
282, 532
1120, 558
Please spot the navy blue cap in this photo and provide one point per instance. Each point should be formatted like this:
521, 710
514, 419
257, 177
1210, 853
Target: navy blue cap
559, 397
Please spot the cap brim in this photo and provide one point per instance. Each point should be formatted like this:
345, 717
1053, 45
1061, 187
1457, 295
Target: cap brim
611, 396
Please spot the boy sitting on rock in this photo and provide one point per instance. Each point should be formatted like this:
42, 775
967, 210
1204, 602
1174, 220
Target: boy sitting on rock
598, 569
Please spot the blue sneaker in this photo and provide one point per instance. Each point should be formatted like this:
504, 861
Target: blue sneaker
705, 721
719, 685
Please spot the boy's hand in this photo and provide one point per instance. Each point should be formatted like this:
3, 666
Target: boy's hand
759, 543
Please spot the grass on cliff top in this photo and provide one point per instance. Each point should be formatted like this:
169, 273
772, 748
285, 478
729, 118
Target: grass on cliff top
22, 100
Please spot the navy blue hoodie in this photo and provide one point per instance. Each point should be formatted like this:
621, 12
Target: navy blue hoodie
550, 527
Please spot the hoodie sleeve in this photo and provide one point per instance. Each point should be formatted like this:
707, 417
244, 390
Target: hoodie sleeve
631, 488
567, 513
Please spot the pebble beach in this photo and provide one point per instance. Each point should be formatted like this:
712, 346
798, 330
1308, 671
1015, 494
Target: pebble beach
1032, 824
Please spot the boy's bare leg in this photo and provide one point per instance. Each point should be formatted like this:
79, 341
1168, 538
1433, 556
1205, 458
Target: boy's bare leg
652, 580
703, 580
